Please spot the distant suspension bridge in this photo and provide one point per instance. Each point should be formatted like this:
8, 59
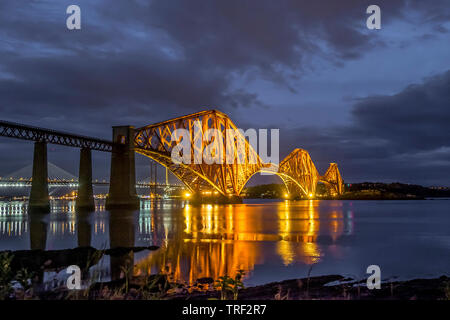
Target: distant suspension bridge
20, 183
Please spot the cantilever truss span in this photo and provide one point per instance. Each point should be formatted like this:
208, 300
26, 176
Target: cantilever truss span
300, 175
229, 177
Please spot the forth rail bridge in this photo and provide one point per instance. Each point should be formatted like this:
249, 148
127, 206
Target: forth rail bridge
297, 170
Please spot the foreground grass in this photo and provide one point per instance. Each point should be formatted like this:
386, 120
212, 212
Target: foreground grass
23, 284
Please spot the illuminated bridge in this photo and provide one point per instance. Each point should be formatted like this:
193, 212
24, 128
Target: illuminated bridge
226, 178
297, 170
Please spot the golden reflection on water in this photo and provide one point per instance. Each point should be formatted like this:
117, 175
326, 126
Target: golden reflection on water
212, 241
295, 229
196, 242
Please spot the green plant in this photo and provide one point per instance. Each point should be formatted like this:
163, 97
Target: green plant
6, 275
226, 283
23, 277
93, 259
127, 271
447, 290
307, 280
237, 284
280, 296
155, 286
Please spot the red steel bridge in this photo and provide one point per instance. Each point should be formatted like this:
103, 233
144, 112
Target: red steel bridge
297, 170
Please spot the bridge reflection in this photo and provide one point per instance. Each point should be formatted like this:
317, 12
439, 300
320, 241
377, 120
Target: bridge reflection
212, 241
196, 242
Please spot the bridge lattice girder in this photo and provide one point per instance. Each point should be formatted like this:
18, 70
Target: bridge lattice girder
155, 141
333, 180
297, 170
299, 173
20, 131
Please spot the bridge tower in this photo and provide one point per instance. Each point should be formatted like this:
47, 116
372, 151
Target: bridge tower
153, 179
85, 197
122, 185
39, 199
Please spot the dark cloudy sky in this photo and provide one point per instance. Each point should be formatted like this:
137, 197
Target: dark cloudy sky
375, 101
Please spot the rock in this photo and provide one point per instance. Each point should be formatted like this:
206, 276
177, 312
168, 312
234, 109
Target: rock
37, 260
205, 280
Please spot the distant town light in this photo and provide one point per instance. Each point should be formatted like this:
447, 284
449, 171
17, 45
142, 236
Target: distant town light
310, 195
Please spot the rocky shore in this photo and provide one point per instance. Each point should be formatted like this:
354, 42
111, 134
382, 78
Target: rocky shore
40, 260
335, 287
161, 286
330, 287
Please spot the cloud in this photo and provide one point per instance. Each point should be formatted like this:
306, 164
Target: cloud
400, 137
139, 62
413, 120
147, 57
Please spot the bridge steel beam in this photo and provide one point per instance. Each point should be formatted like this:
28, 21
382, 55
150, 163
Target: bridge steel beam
155, 141
85, 197
20, 131
39, 200
122, 186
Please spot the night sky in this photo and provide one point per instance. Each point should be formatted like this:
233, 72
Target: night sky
377, 102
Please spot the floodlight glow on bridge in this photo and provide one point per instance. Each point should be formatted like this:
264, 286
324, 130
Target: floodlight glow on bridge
297, 170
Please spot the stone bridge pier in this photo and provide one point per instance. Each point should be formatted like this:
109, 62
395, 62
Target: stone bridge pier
122, 190
39, 201
122, 184
85, 197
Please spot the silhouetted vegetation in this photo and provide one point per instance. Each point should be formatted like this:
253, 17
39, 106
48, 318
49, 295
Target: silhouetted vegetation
19, 285
391, 191
265, 191
14, 284
354, 191
36, 260
228, 284
399, 188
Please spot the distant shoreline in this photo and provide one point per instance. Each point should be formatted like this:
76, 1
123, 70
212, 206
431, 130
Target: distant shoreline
326, 287
336, 287
353, 191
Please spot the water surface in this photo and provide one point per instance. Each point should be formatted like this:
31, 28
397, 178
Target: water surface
270, 240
